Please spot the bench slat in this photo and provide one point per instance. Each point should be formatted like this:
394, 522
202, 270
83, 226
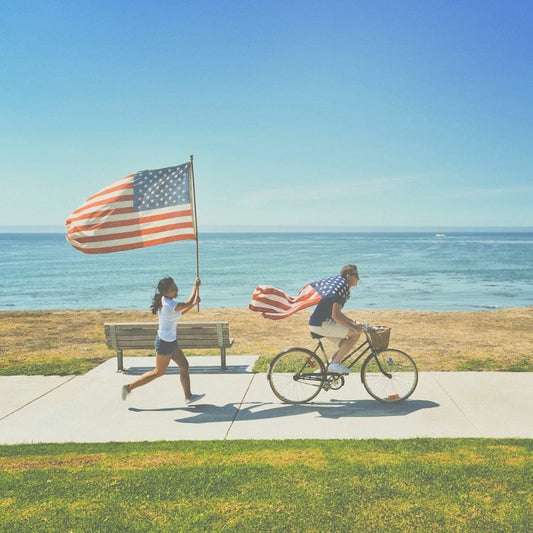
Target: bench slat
192, 343
122, 338
182, 331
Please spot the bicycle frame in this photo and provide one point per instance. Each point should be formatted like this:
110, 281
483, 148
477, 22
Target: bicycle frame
369, 348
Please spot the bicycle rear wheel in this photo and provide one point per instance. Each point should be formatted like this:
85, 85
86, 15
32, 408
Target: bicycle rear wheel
389, 376
296, 375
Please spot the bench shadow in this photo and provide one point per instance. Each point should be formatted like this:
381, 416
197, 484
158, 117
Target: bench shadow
174, 370
205, 413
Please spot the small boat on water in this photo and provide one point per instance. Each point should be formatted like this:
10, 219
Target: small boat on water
440, 235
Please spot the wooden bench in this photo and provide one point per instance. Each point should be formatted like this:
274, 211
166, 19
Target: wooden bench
140, 336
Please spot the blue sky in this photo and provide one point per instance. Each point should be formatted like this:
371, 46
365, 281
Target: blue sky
299, 113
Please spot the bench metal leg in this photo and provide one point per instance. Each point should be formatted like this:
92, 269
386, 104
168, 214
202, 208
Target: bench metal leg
223, 359
120, 363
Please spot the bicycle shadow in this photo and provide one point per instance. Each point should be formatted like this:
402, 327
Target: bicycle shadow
255, 411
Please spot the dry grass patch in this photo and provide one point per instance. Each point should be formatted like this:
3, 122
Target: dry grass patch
438, 341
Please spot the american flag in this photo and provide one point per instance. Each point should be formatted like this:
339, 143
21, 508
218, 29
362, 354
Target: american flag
143, 209
275, 304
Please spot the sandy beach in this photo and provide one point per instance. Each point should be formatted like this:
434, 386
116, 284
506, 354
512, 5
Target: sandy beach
447, 341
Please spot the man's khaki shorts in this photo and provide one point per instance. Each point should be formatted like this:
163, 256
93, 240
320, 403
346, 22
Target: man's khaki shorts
332, 330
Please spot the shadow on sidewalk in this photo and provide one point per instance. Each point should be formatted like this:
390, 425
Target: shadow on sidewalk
204, 413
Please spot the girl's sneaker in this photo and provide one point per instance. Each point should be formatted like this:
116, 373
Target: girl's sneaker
194, 398
125, 391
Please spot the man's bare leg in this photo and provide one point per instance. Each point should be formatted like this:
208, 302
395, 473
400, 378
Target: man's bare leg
345, 346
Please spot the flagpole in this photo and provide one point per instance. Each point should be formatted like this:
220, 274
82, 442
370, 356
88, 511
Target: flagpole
193, 191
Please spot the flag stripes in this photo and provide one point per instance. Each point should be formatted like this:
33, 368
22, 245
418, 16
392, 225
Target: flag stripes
275, 304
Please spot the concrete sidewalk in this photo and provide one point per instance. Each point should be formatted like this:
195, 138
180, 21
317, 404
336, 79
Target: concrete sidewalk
240, 405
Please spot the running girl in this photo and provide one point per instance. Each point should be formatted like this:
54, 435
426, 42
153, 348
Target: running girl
166, 344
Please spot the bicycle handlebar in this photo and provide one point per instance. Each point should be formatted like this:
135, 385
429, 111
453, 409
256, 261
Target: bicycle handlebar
376, 329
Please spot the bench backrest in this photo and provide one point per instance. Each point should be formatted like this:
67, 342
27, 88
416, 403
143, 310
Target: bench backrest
141, 335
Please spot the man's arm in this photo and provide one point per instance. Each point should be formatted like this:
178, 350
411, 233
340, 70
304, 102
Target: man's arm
341, 318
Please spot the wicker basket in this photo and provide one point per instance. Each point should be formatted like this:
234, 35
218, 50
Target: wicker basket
380, 336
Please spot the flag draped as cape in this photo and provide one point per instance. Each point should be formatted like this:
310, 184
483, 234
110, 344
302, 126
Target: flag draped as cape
275, 304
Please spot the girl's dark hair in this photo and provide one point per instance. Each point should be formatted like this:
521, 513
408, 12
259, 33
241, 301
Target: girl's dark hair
162, 287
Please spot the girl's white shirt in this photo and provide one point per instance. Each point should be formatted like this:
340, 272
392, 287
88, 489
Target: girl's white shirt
168, 318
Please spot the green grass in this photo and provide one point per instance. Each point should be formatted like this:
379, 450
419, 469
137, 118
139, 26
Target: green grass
77, 366
489, 364
477, 364
287, 486
51, 367
524, 365
470, 365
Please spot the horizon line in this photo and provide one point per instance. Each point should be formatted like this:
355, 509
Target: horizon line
234, 228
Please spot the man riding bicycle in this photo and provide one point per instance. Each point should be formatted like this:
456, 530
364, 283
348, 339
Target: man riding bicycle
329, 321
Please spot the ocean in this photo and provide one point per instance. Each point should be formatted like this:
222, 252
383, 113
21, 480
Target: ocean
419, 271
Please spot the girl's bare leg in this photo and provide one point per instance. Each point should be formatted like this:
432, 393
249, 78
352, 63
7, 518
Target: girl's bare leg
161, 365
180, 359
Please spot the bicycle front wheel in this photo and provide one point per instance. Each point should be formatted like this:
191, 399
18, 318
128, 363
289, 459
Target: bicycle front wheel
389, 376
296, 375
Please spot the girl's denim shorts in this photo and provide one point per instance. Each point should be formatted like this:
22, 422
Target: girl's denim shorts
163, 347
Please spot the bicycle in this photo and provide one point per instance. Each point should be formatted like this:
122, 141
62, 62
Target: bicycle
296, 375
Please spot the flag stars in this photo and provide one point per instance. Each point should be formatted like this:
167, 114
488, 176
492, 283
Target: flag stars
161, 188
329, 286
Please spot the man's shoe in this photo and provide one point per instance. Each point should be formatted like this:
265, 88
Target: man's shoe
338, 369
194, 398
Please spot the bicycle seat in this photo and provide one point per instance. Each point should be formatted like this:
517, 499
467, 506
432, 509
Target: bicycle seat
316, 335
